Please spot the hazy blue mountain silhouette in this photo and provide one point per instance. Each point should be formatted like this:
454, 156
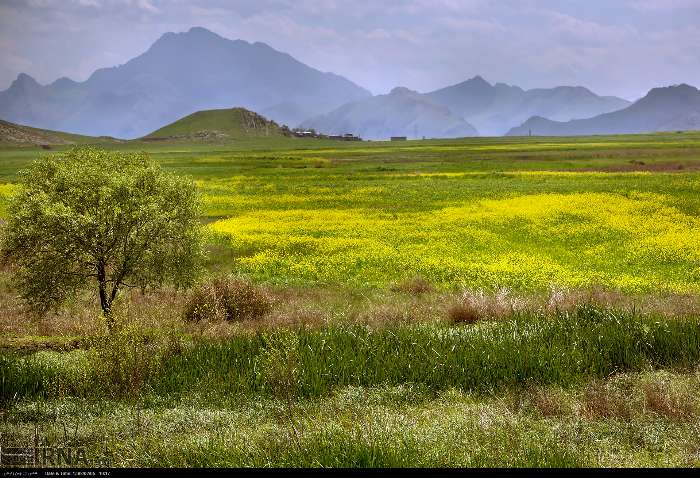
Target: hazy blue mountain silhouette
662, 109
494, 109
400, 113
179, 74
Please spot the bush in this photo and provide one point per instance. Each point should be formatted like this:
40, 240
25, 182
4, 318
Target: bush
227, 299
126, 359
204, 305
463, 313
415, 286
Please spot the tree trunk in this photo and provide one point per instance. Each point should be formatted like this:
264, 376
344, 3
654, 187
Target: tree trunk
105, 300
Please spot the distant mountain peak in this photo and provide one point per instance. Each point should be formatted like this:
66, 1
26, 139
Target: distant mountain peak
479, 80
672, 90
474, 84
193, 35
194, 31
200, 31
494, 109
402, 90
670, 108
63, 82
179, 73
674, 94
24, 79
402, 112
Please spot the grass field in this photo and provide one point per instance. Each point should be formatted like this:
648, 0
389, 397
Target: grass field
476, 302
621, 212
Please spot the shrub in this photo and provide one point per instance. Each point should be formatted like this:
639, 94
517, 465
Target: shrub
415, 286
204, 305
127, 358
463, 313
228, 299
497, 305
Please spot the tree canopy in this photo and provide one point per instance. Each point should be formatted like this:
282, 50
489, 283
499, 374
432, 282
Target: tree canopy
112, 220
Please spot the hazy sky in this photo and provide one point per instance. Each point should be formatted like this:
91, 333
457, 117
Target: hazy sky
619, 47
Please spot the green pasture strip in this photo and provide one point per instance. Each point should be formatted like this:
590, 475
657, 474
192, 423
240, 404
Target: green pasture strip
562, 349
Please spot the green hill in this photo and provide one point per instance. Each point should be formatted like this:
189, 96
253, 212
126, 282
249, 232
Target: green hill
219, 126
14, 135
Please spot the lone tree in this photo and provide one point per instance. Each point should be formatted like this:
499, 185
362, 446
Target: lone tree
93, 217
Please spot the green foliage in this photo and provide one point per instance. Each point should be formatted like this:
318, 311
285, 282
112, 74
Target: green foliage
126, 359
110, 219
564, 349
279, 364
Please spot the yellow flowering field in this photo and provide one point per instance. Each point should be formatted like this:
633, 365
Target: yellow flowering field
6, 190
621, 212
525, 241
525, 213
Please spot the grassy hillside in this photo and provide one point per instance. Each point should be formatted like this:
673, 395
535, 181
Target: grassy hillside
218, 126
15, 135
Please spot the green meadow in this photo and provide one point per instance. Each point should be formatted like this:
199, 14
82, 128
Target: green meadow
620, 212
472, 302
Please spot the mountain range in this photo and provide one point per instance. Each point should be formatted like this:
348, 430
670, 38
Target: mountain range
494, 109
402, 112
469, 108
669, 108
179, 74
182, 73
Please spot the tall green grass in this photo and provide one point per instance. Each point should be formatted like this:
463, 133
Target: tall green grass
47, 374
562, 349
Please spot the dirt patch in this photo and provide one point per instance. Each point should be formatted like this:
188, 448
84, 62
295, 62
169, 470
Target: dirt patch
635, 165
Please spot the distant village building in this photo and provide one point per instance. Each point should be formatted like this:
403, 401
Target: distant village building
345, 137
398, 138
305, 133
